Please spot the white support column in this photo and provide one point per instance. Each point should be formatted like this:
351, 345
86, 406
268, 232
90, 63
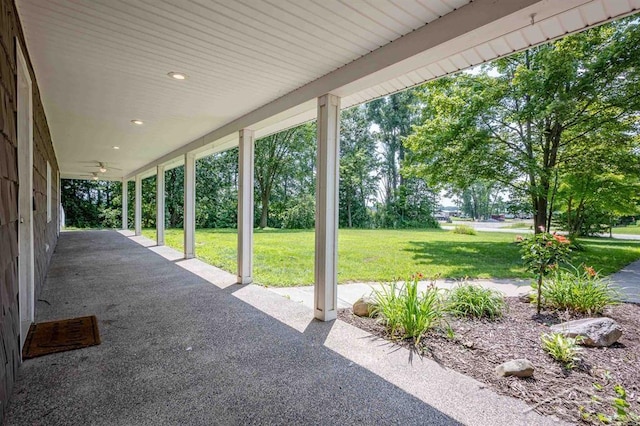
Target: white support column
189, 205
245, 206
125, 204
160, 206
138, 211
328, 164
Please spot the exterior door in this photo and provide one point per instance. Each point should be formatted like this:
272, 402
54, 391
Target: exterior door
25, 197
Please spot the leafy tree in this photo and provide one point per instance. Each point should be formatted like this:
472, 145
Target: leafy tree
407, 200
529, 119
358, 163
276, 162
393, 115
217, 190
174, 196
90, 203
480, 200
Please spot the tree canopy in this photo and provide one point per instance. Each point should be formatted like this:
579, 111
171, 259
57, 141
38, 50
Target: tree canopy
534, 120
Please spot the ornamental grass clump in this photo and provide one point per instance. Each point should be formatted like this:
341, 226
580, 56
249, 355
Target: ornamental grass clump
406, 312
561, 348
464, 230
541, 253
579, 290
473, 301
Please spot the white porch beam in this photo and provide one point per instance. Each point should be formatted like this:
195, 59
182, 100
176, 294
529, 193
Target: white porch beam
245, 206
138, 211
125, 204
328, 163
189, 205
160, 206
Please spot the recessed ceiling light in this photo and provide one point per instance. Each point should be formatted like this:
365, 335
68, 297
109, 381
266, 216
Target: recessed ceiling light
137, 122
115, 147
177, 75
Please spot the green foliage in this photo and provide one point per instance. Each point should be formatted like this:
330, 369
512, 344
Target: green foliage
541, 253
91, 204
405, 311
410, 207
358, 158
216, 190
619, 404
557, 114
284, 164
481, 199
562, 349
405, 202
465, 230
599, 192
580, 291
301, 214
470, 300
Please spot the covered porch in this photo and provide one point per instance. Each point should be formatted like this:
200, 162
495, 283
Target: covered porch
133, 89
183, 344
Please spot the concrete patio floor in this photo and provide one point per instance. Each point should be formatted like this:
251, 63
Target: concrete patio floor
182, 344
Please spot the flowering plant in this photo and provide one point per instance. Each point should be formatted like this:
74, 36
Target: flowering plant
541, 254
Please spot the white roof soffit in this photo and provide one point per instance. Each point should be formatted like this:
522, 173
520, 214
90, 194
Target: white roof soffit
474, 34
256, 64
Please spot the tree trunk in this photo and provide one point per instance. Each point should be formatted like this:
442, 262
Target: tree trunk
264, 214
540, 216
539, 292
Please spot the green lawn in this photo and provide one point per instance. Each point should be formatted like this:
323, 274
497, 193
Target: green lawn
630, 230
285, 257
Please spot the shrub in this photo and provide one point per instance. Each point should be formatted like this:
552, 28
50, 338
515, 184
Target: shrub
561, 348
579, 290
541, 254
474, 301
465, 230
407, 312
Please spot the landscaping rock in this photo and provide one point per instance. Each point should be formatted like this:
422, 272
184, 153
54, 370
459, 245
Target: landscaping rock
515, 367
364, 306
594, 331
526, 298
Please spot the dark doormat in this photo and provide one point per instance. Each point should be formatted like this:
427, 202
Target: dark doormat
59, 336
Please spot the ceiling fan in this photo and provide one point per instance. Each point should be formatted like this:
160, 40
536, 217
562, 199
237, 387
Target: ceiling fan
102, 166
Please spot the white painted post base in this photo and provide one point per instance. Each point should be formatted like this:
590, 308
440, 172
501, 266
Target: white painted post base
245, 206
327, 180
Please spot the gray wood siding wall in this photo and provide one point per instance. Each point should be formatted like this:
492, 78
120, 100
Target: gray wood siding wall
45, 233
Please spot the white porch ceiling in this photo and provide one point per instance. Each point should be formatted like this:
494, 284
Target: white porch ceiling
253, 63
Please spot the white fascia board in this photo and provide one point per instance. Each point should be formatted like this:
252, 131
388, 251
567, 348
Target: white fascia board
392, 59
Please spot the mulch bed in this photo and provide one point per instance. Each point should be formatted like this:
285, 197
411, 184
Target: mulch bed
480, 345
